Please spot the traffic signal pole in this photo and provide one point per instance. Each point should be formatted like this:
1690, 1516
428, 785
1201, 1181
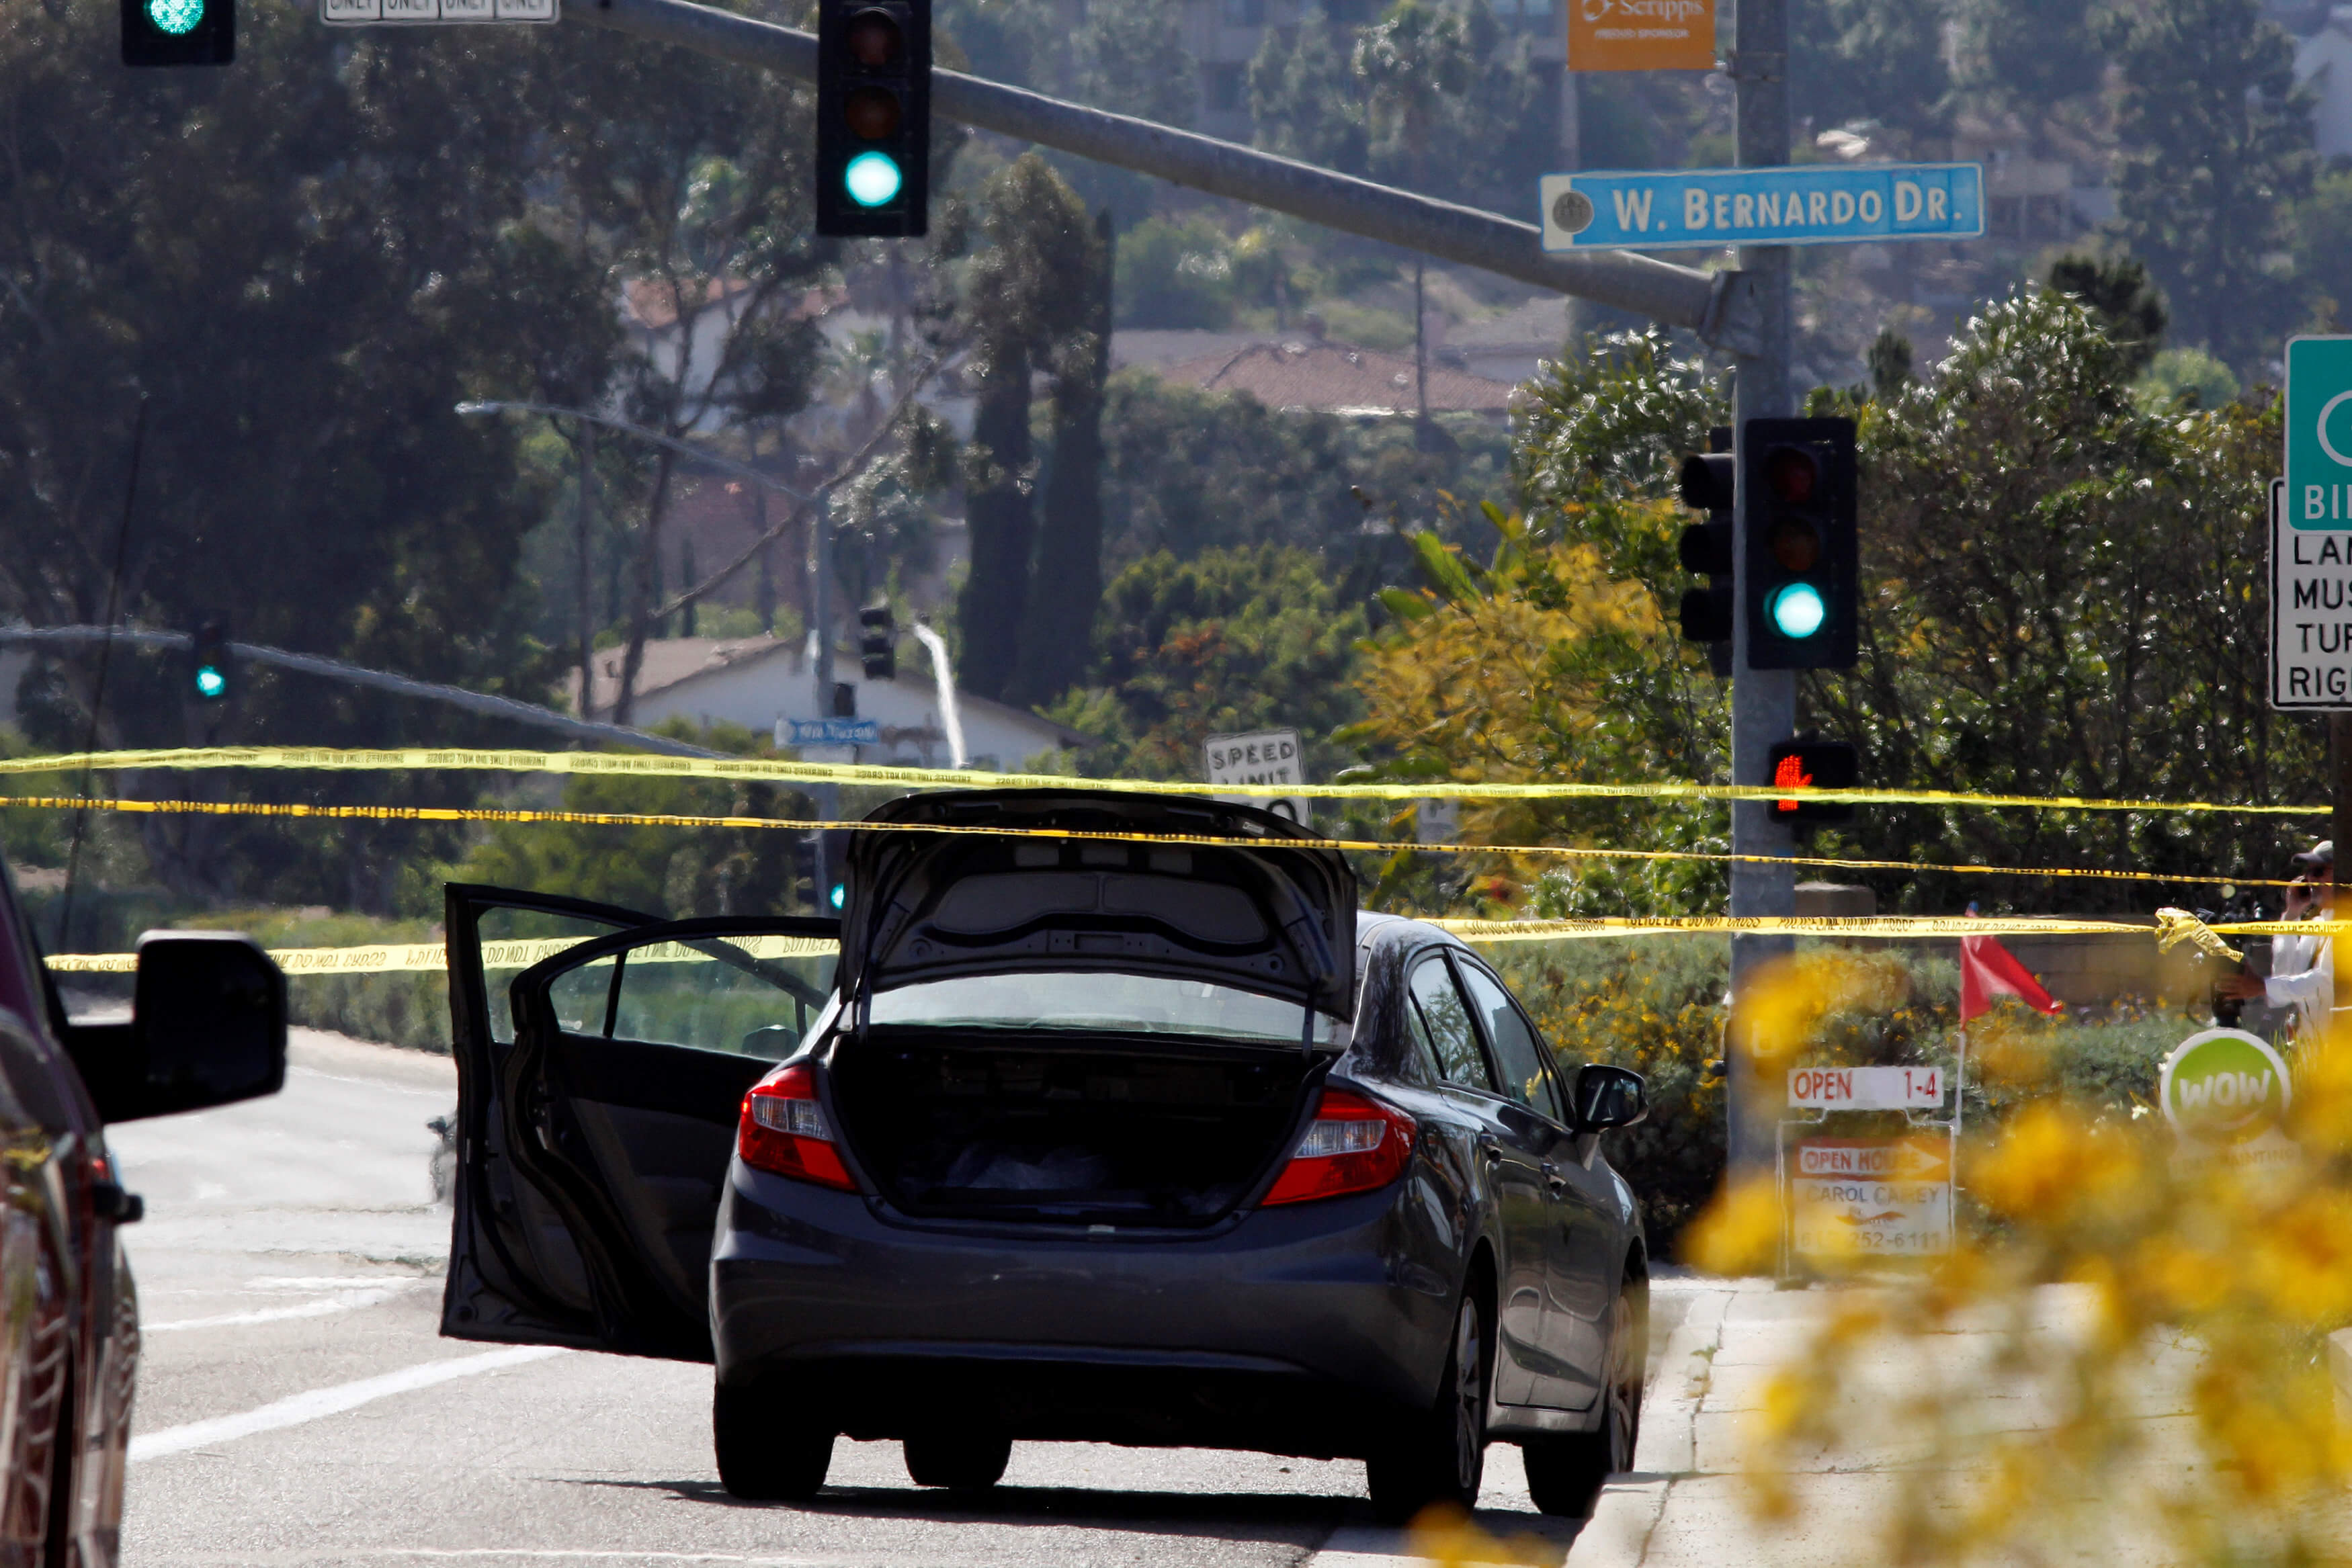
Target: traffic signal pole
1709, 304
1763, 702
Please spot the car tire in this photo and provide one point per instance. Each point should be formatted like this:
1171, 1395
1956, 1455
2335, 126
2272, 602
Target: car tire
1565, 1474
959, 1461
1439, 1456
766, 1454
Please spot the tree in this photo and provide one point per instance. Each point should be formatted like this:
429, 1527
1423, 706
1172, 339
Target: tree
2215, 145
2323, 247
2030, 55
300, 265
1188, 471
1066, 580
1030, 290
1232, 639
1435, 96
2118, 293
1868, 60
1305, 101
2062, 601
684, 182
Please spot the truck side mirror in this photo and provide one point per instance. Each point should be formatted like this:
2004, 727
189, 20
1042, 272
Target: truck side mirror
1607, 1097
207, 1028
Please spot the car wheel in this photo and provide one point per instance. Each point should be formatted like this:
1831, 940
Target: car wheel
961, 1461
1440, 1455
766, 1454
1565, 1474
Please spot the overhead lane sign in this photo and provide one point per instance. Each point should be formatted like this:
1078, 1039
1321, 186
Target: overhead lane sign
1814, 204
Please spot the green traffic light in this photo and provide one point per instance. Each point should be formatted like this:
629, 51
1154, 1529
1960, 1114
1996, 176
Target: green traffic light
839, 896
1798, 611
176, 17
872, 179
210, 680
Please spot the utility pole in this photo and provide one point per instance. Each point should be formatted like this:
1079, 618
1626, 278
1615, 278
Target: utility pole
827, 796
1763, 702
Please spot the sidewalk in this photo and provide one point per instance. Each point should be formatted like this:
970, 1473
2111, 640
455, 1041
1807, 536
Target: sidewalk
1686, 1505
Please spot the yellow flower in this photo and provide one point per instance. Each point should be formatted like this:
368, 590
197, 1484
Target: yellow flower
1739, 1232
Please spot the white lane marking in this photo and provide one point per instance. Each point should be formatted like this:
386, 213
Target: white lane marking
376, 1083
333, 1401
333, 1281
557, 1554
350, 1301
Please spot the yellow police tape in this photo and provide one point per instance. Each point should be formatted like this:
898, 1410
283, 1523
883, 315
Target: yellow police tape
419, 957
1369, 846
783, 772
2170, 926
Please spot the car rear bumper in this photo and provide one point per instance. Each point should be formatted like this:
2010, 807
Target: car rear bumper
1290, 1330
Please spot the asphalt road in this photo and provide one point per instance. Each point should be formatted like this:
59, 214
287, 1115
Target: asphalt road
296, 1404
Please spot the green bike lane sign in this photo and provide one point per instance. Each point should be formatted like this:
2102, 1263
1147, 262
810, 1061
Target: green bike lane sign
2311, 533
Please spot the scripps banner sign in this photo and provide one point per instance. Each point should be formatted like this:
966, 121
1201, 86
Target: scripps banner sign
1641, 35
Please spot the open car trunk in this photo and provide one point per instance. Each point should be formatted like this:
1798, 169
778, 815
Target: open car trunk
1040, 1127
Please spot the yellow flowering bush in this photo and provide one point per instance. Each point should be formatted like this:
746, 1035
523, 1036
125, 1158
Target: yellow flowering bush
2126, 1357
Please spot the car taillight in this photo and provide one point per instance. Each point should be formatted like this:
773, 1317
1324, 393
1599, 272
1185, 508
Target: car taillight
783, 1130
1355, 1144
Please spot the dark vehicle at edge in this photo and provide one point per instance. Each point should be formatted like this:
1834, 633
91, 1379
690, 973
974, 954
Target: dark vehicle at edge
1105, 1140
207, 1027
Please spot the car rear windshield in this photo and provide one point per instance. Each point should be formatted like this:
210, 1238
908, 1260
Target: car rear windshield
1126, 1004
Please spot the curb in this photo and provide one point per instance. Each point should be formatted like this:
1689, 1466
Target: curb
1629, 1508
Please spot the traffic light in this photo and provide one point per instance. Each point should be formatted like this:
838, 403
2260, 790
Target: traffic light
1797, 496
878, 645
179, 32
837, 870
212, 671
820, 867
873, 117
1706, 549
1813, 765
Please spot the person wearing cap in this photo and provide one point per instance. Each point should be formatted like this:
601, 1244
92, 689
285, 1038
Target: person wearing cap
2303, 968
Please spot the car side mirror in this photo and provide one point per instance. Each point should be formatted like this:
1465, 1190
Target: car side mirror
1607, 1097
207, 1028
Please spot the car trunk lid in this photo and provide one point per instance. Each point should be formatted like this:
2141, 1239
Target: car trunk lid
1268, 911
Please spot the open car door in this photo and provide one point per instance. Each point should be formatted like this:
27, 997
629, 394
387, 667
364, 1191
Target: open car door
598, 1092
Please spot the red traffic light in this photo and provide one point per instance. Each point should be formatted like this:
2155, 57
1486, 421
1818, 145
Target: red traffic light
875, 39
1793, 474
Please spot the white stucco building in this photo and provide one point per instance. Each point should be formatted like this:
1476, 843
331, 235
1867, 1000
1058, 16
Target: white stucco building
757, 682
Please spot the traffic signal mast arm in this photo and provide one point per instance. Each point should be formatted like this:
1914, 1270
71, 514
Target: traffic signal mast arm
1713, 305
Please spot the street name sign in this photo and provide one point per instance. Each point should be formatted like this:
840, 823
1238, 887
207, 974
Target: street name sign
1867, 1088
1871, 1197
411, 12
1262, 757
2311, 609
1641, 35
1812, 203
832, 731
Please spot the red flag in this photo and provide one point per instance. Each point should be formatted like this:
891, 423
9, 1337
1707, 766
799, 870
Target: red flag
1988, 970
